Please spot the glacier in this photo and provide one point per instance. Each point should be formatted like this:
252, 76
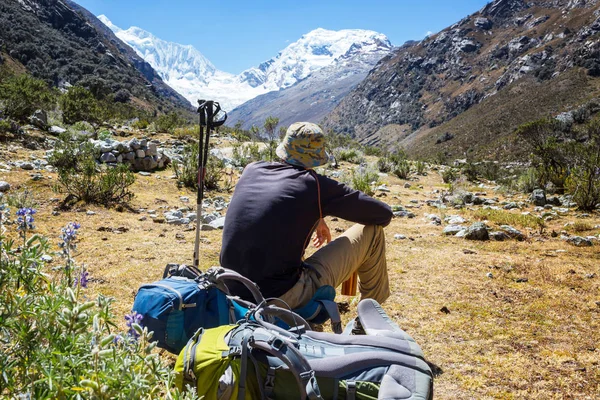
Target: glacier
190, 73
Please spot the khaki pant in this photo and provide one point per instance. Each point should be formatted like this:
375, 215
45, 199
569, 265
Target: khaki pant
361, 248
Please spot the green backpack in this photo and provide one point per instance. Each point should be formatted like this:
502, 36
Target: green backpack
257, 360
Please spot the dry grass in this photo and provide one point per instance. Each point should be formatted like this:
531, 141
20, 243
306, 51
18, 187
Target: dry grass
501, 217
530, 332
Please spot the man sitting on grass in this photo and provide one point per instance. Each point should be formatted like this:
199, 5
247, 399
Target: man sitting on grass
274, 211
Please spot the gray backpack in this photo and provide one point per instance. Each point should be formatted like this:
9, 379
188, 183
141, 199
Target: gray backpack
373, 359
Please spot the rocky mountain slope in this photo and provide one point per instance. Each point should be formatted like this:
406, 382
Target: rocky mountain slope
465, 89
315, 96
194, 76
64, 44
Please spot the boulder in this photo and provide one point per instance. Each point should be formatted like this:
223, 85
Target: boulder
56, 130
39, 119
139, 153
108, 158
579, 241
4, 186
512, 232
477, 231
538, 197
452, 230
218, 223
134, 144
499, 236
483, 23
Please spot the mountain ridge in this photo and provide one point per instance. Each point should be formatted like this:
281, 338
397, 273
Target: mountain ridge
523, 46
314, 50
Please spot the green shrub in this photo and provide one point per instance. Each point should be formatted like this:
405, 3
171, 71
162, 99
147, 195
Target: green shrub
168, 122
105, 135
363, 178
244, 154
57, 341
384, 164
544, 138
449, 175
401, 169
79, 104
21, 199
420, 167
23, 94
140, 123
469, 170
186, 131
529, 181
372, 151
489, 170
584, 179
5, 126
187, 170
350, 155
83, 179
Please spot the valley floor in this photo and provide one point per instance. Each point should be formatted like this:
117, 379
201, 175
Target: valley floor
520, 320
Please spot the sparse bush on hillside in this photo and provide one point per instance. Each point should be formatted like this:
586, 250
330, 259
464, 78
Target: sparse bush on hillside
363, 179
384, 164
350, 155
469, 170
5, 126
245, 153
22, 199
450, 175
140, 123
401, 169
420, 167
168, 122
187, 170
79, 104
545, 141
21, 95
584, 179
529, 181
82, 178
186, 131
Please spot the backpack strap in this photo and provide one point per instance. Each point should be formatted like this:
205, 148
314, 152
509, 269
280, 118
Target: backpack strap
218, 276
278, 346
189, 359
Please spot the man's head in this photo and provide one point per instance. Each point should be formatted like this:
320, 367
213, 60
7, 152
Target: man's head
303, 145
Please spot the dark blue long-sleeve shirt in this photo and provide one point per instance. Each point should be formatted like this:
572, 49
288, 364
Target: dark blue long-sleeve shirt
272, 214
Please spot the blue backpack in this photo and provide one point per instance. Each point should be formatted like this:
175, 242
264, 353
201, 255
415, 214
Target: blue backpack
187, 299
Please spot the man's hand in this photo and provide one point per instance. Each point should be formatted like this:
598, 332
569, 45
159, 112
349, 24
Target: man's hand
322, 234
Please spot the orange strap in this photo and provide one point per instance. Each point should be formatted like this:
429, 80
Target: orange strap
320, 211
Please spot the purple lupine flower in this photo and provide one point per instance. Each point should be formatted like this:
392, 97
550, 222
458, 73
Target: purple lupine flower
25, 218
133, 318
69, 233
82, 280
118, 339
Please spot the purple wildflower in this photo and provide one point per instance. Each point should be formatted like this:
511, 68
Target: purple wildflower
69, 233
83, 279
133, 318
25, 218
118, 339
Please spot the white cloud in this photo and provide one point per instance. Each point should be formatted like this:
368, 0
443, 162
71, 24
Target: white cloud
429, 33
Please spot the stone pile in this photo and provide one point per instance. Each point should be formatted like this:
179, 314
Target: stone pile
142, 155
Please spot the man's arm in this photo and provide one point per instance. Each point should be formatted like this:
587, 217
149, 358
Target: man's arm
352, 205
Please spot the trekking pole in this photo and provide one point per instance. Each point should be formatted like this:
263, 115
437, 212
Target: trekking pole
207, 111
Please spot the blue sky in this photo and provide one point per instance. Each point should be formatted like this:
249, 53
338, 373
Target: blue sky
238, 34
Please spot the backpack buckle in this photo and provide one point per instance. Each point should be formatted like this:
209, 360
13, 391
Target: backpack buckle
276, 343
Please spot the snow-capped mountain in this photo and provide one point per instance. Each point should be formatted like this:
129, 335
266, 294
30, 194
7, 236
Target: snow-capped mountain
186, 70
